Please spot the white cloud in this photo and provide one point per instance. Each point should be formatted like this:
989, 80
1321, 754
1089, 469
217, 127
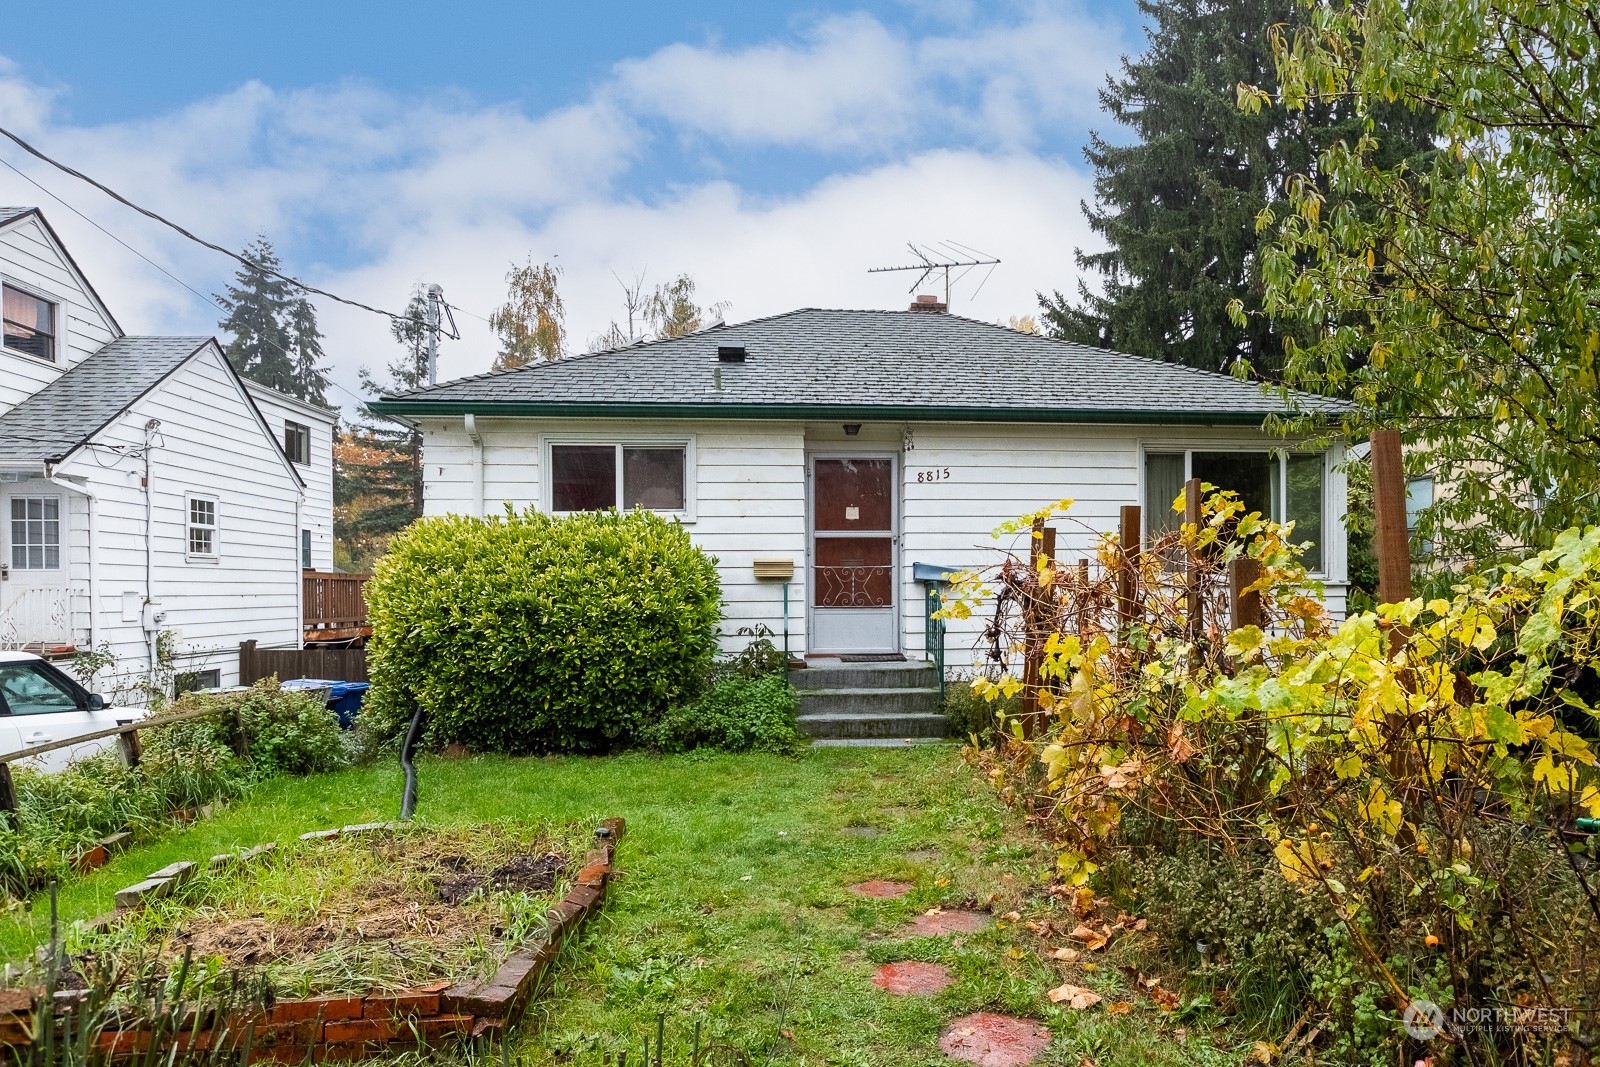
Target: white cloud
367, 193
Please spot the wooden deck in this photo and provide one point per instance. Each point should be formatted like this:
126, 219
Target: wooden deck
334, 607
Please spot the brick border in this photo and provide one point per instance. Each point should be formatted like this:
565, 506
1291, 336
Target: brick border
344, 1028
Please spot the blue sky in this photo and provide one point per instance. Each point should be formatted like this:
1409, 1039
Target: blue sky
773, 151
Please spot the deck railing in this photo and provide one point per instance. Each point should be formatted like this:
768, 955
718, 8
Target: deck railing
334, 606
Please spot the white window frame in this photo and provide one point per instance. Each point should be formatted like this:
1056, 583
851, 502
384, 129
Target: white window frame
690, 468
58, 315
1188, 448
306, 430
189, 526
61, 532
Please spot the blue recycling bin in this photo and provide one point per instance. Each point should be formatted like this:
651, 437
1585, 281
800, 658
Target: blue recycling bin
343, 698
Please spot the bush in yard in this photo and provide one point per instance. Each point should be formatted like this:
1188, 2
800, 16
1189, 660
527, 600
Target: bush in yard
735, 714
526, 633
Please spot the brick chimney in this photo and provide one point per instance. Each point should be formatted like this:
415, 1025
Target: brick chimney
929, 303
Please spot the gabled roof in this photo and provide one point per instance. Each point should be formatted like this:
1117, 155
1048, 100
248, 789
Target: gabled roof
8, 215
905, 365
49, 425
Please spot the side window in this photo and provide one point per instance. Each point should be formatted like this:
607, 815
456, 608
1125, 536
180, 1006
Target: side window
202, 527
297, 442
27, 690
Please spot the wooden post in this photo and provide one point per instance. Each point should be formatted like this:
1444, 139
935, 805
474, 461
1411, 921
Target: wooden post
1041, 547
8, 793
1244, 608
1191, 517
1390, 540
1128, 535
132, 750
247, 662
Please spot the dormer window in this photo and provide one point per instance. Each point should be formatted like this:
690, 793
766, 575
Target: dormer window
30, 323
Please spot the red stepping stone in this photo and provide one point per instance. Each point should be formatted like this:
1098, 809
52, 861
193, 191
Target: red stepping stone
880, 888
939, 923
994, 1040
913, 979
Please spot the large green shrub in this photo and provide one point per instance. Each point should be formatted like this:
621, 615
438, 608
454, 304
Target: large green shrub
526, 633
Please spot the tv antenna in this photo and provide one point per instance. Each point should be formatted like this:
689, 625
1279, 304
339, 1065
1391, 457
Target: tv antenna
946, 257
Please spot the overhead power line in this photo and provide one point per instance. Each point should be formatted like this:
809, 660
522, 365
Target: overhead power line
147, 213
209, 299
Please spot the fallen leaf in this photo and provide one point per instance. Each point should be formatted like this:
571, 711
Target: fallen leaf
1083, 901
1121, 1007
1164, 997
1096, 943
1181, 1034
1067, 954
1263, 1052
788, 1035
1012, 916
940, 883
1083, 932
1014, 952
1142, 925
1074, 996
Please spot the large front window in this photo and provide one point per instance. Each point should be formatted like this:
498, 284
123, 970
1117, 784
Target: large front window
36, 533
593, 477
30, 323
1281, 486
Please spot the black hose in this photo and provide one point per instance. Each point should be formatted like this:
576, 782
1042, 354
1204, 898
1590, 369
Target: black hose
408, 802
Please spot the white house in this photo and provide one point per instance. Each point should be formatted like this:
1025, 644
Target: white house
857, 445
146, 496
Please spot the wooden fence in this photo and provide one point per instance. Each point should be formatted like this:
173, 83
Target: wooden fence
335, 664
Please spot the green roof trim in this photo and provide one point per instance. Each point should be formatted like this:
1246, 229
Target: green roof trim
794, 412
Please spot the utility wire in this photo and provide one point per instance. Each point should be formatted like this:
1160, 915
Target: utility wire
147, 213
209, 299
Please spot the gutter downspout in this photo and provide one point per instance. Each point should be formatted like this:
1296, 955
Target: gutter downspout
470, 422
299, 572
150, 638
94, 581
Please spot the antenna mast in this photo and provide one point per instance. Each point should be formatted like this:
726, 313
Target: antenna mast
932, 259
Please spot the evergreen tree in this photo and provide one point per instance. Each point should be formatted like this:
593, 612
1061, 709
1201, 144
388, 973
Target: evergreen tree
378, 462
1180, 206
275, 337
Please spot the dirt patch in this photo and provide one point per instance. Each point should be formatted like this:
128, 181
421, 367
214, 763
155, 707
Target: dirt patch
913, 979
881, 889
522, 874
994, 1040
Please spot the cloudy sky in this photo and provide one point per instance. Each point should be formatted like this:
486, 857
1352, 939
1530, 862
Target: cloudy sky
773, 151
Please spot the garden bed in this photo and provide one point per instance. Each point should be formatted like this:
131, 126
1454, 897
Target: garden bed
370, 935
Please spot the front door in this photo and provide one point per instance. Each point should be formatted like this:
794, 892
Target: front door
852, 555
33, 567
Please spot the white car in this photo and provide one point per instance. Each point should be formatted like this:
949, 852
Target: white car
41, 704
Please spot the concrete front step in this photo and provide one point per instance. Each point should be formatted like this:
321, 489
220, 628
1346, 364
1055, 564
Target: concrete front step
869, 701
908, 675
848, 725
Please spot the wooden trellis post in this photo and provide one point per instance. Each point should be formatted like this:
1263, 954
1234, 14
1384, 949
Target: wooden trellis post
1128, 564
1035, 619
1244, 608
1191, 516
1391, 539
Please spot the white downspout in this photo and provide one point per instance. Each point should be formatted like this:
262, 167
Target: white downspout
150, 634
94, 582
471, 424
299, 572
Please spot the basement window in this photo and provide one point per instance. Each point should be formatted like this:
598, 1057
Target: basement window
30, 323
1281, 486
595, 477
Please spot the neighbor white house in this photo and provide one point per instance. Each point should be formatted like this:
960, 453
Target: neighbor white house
145, 489
866, 451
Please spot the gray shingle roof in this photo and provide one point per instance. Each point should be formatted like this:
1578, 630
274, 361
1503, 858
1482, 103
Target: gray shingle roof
892, 364
8, 214
51, 423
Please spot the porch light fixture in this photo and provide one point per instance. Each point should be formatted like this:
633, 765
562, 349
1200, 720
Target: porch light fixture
852, 428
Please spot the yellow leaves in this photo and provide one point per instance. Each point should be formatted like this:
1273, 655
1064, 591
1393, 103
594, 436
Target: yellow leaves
1560, 778
1303, 861
1075, 868
1378, 811
1246, 641
1349, 766
1590, 799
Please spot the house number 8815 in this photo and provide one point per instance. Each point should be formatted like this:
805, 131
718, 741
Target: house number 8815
939, 474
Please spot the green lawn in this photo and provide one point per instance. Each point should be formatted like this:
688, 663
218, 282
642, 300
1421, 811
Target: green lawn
732, 907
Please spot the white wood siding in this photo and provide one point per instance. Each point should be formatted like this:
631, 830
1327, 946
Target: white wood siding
208, 442
750, 494
30, 259
316, 514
